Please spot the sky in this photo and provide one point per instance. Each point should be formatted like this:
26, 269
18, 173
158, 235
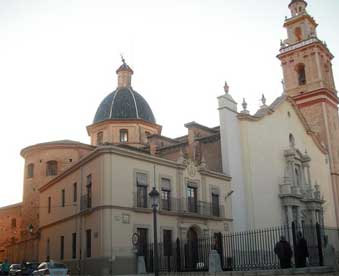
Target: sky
58, 60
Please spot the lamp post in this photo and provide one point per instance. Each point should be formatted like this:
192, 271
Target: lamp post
154, 194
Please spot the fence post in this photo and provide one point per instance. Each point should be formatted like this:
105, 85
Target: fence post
178, 268
320, 248
294, 239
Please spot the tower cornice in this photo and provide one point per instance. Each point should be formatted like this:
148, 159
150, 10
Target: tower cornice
300, 46
304, 16
320, 95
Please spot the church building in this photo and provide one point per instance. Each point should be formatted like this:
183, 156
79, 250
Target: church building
83, 204
285, 156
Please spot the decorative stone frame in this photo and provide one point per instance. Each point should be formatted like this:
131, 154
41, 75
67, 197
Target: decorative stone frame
303, 196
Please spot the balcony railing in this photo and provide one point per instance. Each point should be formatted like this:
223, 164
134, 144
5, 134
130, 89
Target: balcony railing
183, 206
85, 203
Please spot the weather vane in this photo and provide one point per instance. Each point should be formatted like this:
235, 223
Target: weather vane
122, 59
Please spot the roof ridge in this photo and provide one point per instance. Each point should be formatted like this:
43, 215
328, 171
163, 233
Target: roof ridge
111, 109
135, 103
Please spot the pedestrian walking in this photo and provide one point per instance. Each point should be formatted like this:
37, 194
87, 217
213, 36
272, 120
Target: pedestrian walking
301, 251
284, 252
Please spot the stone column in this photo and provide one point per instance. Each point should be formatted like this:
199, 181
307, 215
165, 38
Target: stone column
289, 215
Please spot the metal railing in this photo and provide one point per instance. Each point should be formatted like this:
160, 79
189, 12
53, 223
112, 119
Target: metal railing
182, 206
85, 202
242, 251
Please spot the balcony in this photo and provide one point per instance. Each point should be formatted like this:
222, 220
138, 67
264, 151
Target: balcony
181, 206
85, 202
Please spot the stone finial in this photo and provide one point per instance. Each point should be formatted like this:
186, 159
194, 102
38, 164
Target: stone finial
226, 87
283, 85
317, 190
203, 162
244, 106
263, 101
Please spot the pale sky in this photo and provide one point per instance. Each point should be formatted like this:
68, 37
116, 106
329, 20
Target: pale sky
58, 60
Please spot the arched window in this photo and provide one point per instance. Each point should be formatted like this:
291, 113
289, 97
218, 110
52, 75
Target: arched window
100, 138
123, 135
298, 33
301, 74
52, 168
30, 170
292, 141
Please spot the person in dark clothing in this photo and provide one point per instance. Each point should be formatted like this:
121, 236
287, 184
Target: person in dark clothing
284, 252
301, 251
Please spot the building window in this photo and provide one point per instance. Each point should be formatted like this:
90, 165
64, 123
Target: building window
63, 198
89, 191
167, 238
30, 170
100, 138
49, 204
215, 205
88, 243
62, 245
74, 245
123, 135
298, 33
192, 203
13, 223
141, 190
75, 192
52, 168
165, 194
291, 140
301, 74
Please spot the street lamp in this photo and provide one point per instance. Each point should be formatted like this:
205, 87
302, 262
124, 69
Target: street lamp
154, 194
30, 228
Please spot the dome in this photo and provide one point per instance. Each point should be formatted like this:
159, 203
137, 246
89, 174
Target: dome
122, 104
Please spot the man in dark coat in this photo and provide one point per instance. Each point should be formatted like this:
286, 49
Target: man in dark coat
301, 251
284, 252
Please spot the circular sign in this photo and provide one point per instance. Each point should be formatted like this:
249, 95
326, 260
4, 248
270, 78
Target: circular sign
135, 238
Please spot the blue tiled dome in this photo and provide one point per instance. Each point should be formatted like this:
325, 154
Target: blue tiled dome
124, 103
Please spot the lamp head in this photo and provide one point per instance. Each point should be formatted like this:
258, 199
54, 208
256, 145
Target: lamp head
154, 194
30, 228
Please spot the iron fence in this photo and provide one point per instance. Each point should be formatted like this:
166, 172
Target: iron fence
241, 251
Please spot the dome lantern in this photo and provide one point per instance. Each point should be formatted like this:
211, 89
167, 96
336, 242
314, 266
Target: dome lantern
124, 73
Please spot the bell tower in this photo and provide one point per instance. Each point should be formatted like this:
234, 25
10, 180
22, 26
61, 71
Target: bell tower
308, 79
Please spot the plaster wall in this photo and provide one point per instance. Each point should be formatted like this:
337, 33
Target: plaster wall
114, 216
264, 142
232, 160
